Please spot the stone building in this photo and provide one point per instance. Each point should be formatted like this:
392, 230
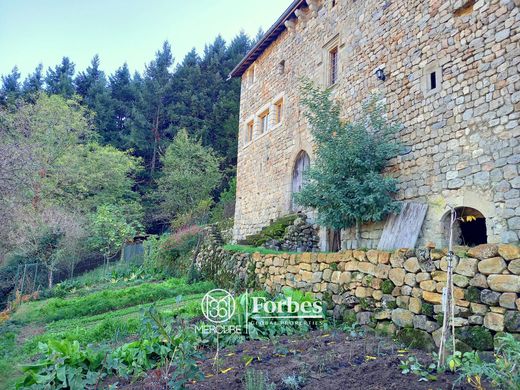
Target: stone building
449, 74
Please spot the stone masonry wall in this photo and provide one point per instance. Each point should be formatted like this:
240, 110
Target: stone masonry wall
463, 137
392, 291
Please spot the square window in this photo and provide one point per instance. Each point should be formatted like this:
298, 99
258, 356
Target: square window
278, 111
333, 66
249, 131
264, 122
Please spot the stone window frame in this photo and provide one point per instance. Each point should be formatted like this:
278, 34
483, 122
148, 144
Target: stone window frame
251, 75
433, 67
278, 98
248, 140
331, 45
266, 108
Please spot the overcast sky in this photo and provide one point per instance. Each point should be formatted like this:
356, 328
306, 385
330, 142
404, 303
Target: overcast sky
34, 31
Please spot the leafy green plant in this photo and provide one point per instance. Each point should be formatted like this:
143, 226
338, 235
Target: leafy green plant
413, 366
293, 382
503, 373
275, 230
257, 380
64, 365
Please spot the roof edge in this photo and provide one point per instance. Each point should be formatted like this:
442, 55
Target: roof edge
269, 37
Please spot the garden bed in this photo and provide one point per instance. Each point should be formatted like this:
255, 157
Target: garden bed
321, 359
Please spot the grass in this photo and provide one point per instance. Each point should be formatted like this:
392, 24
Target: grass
106, 312
54, 309
253, 249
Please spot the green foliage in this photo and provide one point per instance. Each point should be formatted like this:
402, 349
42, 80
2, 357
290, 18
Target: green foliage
172, 254
413, 366
64, 365
275, 230
503, 373
187, 166
257, 380
427, 309
110, 229
293, 382
387, 286
345, 184
104, 301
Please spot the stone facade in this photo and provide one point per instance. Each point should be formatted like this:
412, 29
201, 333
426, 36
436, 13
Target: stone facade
463, 136
387, 290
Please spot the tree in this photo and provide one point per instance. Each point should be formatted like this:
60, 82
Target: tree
91, 85
91, 175
109, 231
346, 183
150, 120
59, 80
33, 84
11, 89
190, 174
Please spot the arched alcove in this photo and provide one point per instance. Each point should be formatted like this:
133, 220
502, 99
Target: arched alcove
469, 229
301, 164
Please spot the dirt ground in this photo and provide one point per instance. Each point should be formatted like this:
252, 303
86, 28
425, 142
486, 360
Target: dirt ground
326, 360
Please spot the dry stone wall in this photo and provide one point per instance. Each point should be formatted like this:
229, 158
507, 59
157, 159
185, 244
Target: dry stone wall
463, 138
395, 291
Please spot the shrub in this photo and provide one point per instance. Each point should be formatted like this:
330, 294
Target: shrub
504, 372
172, 253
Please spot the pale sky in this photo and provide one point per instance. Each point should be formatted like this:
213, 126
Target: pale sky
34, 31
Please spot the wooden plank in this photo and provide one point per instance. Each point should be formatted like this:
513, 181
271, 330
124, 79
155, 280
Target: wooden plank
402, 230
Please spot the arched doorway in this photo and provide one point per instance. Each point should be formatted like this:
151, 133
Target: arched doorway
469, 229
301, 164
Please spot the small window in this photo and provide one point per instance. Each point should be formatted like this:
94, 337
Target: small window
433, 80
281, 67
249, 131
333, 3
278, 111
251, 76
264, 122
333, 66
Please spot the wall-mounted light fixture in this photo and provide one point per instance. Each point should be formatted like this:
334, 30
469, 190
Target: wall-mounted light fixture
380, 74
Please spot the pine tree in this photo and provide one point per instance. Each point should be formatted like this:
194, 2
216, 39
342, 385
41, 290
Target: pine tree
59, 80
11, 89
33, 84
91, 85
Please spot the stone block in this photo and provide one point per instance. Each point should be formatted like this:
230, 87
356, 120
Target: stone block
493, 265
504, 283
514, 266
467, 267
508, 300
509, 251
402, 318
412, 265
396, 275
432, 297
494, 321
483, 251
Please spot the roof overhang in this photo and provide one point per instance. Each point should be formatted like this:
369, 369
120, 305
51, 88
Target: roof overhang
269, 37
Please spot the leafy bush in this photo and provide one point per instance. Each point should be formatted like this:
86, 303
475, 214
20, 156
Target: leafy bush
504, 372
172, 253
276, 230
64, 365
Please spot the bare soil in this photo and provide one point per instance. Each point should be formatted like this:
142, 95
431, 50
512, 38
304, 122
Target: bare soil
326, 360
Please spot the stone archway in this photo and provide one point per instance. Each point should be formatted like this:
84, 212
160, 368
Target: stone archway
301, 164
469, 229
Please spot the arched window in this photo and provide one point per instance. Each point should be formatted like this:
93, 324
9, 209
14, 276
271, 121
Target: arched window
301, 164
469, 229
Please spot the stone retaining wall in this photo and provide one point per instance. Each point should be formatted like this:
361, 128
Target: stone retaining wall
391, 291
